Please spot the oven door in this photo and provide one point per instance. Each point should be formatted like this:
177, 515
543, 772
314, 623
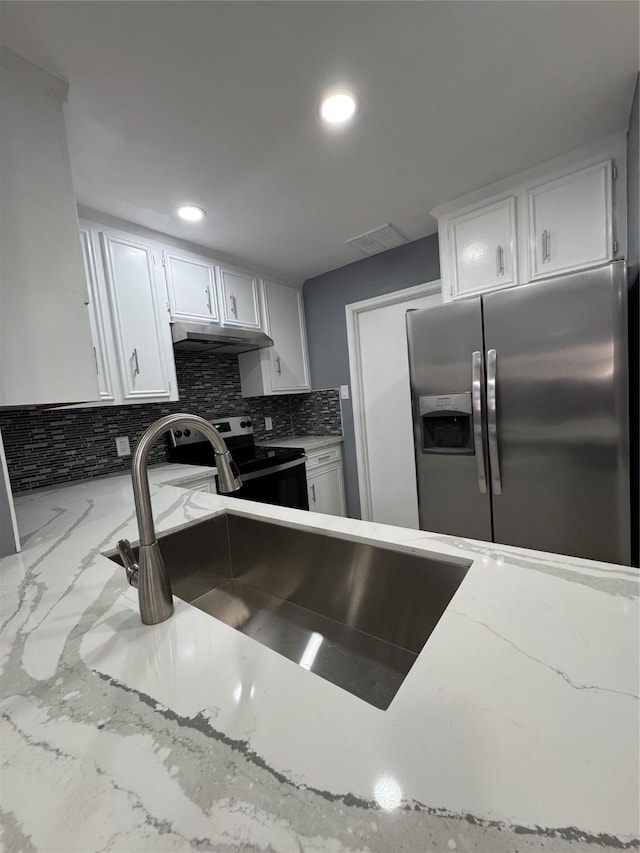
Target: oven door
282, 485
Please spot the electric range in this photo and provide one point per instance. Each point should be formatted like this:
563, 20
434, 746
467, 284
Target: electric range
274, 475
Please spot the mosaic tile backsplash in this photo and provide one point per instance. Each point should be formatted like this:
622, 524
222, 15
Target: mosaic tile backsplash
60, 445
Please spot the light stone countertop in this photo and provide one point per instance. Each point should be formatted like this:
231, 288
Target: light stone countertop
308, 443
515, 730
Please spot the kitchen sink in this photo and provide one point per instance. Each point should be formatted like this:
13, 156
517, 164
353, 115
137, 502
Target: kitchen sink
355, 614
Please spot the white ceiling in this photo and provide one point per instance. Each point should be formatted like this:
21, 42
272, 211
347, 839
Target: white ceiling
216, 103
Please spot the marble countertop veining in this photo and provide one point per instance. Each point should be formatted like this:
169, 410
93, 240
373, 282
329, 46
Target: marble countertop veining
515, 730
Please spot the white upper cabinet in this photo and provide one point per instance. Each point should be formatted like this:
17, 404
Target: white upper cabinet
283, 368
482, 248
239, 298
46, 351
140, 319
559, 217
99, 320
285, 323
570, 222
191, 285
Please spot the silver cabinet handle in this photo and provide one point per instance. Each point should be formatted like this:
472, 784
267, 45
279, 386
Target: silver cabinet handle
478, 444
313, 492
95, 355
492, 424
322, 458
500, 260
546, 246
234, 306
278, 366
134, 356
208, 297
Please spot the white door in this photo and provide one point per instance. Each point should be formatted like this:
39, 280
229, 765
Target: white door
191, 285
239, 298
140, 338
570, 222
382, 403
483, 248
285, 324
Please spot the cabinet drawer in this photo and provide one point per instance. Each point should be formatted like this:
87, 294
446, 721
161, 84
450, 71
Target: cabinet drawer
323, 457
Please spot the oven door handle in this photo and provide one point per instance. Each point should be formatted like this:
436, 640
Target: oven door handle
253, 475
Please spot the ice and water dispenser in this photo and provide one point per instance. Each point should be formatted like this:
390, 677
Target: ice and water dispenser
447, 423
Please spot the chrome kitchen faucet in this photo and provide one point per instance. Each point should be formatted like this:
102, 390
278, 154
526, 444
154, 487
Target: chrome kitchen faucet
149, 575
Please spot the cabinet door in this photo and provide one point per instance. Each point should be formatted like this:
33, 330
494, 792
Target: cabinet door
483, 253
239, 298
191, 287
140, 342
570, 222
285, 324
326, 490
98, 319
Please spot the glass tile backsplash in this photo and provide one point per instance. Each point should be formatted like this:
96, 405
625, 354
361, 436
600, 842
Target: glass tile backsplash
52, 446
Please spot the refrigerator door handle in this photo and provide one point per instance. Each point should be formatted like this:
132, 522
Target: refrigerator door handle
476, 394
492, 425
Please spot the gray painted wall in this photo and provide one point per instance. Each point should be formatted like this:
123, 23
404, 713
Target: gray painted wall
325, 297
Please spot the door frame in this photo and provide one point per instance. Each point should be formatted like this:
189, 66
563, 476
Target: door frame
353, 312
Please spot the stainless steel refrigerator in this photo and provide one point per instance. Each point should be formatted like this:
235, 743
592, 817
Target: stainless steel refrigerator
521, 415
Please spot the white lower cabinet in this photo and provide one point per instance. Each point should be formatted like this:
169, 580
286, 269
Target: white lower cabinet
129, 318
325, 483
204, 483
284, 367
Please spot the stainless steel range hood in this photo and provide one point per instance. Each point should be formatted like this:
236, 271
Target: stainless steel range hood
207, 337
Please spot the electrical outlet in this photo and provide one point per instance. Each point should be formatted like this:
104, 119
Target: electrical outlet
344, 392
122, 446
268, 424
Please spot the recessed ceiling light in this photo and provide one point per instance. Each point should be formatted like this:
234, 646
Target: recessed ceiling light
191, 212
338, 106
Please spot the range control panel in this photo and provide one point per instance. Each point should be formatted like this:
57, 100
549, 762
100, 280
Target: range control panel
227, 427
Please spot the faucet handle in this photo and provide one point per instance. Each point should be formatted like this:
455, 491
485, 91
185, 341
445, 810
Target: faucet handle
128, 560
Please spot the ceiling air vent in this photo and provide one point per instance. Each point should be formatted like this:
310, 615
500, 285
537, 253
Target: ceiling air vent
378, 240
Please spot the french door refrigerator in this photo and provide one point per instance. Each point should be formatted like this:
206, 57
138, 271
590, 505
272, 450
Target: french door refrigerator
520, 412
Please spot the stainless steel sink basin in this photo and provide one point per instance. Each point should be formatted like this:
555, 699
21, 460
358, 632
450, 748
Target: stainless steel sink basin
355, 614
